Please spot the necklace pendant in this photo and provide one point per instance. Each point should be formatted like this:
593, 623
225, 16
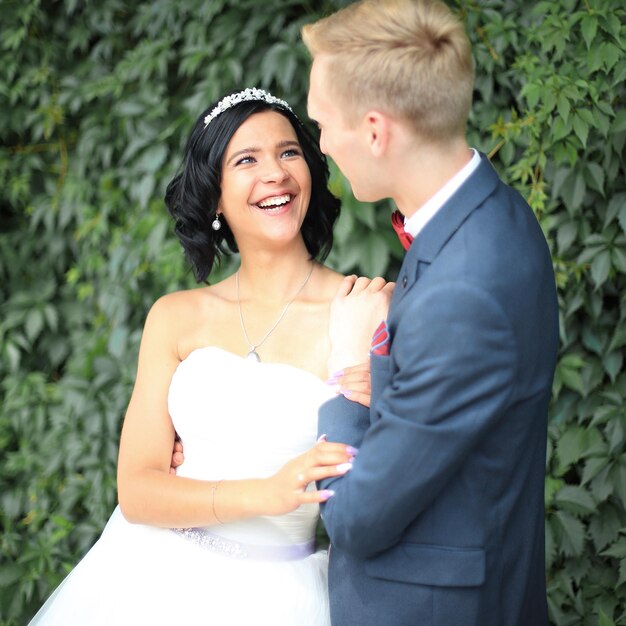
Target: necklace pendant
253, 355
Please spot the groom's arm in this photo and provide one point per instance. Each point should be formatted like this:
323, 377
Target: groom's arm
456, 357
342, 421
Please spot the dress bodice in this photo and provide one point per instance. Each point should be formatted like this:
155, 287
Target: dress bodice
237, 419
242, 419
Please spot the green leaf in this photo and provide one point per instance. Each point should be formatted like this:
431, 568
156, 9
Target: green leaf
156, 238
602, 485
605, 526
618, 259
617, 550
568, 372
130, 108
566, 235
619, 124
616, 203
550, 546
572, 534
593, 466
590, 252
52, 317
143, 190
589, 27
622, 572
592, 341
532, 92
561, 177
575, 443
375, 255
118, 341
581, 128
611, 54
365, 212
613, 364
604, 619
622, 217
9, 574
34, 324
600, 267
595, 59
596, 177
564, 108
617, 475
560, 129
618, 339
152, 159
588, 117
552, 486
575, 499
574, 192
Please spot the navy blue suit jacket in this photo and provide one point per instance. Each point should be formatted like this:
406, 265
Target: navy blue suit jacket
440, 522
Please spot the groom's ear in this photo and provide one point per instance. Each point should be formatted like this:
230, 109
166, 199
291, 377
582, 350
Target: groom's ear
376, 125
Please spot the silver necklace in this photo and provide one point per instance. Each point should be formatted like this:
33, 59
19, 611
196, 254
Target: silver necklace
252, 354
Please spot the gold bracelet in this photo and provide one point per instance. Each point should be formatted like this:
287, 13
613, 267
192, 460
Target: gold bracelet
213, 490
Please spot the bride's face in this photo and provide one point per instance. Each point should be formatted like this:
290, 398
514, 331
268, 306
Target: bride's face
266, 183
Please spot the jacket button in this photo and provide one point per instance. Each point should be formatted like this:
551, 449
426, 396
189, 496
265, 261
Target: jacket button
404, 281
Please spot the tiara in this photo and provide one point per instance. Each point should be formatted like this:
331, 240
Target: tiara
251, 93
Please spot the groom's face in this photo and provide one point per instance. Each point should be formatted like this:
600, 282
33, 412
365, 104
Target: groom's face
338, 139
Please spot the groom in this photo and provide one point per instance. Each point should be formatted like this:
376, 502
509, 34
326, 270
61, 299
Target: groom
440, 521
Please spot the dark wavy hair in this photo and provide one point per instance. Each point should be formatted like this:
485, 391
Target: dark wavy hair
193, 194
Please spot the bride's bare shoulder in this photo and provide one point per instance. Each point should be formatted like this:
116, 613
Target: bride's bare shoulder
180, 305
330, 281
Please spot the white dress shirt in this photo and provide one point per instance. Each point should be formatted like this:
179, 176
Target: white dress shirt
424, 214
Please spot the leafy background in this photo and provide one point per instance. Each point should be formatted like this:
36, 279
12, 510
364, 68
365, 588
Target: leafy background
96, 100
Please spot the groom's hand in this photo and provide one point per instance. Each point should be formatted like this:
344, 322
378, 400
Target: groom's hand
357, 309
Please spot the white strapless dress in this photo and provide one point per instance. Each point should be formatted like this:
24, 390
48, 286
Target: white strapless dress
237, 419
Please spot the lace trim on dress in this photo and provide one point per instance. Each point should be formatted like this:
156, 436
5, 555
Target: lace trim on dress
238, 550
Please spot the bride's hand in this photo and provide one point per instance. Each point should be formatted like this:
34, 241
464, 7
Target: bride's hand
286, 490
178, 456
354, 383
357, 309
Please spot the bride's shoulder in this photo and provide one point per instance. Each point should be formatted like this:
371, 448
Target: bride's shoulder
186, 303
329, 281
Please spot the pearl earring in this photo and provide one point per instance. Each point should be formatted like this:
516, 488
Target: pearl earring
216, 224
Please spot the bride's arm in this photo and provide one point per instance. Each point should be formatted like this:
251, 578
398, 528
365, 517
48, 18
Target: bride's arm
149, 494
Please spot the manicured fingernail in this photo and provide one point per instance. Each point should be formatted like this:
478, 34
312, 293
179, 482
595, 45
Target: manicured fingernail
334, 378
346, 393
352, 451
342, 468
322, 438
327, 494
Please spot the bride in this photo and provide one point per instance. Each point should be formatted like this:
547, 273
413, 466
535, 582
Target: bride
237, 369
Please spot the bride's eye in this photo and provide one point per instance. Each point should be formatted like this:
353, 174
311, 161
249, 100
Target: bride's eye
245, 160
292, 152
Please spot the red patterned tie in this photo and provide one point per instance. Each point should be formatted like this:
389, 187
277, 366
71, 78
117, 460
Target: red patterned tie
397, 221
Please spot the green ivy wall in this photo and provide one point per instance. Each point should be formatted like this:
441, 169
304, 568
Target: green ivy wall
96, 99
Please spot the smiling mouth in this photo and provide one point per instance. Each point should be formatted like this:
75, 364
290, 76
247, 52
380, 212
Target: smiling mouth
273, 205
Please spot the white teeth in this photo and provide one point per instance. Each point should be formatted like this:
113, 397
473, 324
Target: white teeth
275, 201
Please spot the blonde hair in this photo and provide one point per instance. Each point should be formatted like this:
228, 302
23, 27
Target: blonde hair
411, 58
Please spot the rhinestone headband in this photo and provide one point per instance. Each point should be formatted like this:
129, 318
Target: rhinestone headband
251, 93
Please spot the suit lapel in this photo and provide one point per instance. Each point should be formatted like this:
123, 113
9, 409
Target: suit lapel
429, 242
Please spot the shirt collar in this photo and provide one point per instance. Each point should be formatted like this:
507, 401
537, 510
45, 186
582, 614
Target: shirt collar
424, 214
